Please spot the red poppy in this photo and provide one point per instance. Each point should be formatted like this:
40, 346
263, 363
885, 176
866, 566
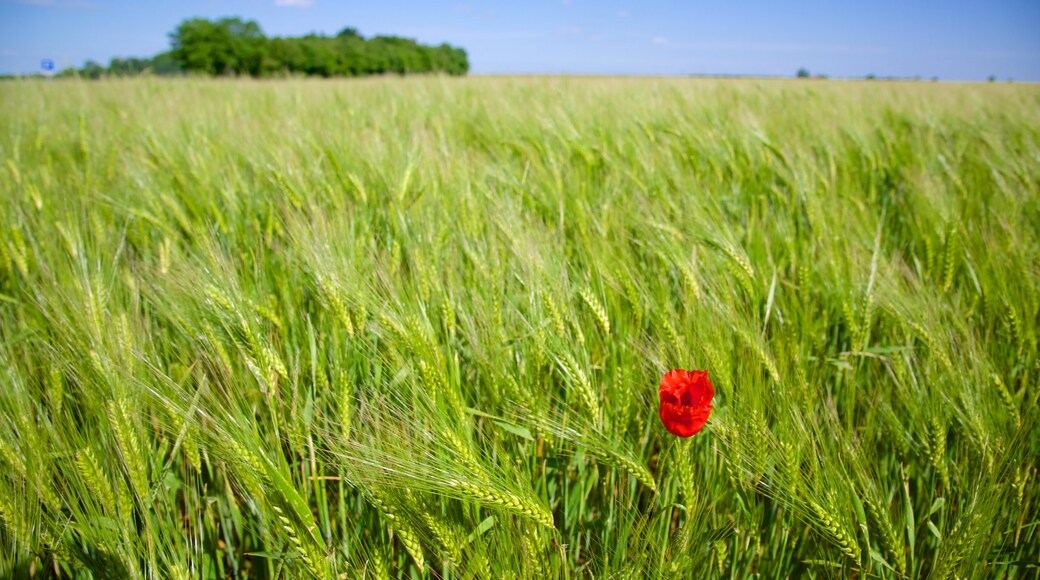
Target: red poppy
685, 401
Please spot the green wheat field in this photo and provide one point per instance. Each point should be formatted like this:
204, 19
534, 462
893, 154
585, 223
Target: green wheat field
415, 328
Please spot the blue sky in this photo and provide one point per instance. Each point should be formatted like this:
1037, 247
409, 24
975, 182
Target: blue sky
955, 39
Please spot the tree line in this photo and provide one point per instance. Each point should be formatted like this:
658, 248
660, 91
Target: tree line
236, 47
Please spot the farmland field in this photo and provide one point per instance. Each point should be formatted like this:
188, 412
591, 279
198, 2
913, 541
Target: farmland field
416, 328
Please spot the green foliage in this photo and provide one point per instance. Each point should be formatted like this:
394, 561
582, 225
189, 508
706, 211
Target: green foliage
236, 47
162, 64
415, 327
221, 47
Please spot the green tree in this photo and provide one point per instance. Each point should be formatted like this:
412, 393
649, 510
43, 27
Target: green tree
164, 63
232, 46
226, 46
92, 70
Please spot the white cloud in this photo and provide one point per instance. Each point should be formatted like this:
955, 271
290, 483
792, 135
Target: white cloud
660, 40
294, 3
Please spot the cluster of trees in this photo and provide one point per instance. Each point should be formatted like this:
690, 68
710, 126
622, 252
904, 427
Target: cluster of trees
160, 64
232, 46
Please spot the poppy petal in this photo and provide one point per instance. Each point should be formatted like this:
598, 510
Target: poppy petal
685, 401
